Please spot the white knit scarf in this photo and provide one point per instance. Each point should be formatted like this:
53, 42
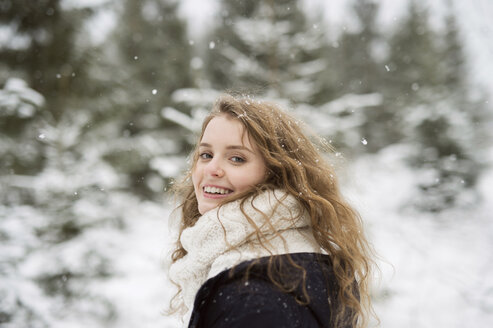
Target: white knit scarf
223, 237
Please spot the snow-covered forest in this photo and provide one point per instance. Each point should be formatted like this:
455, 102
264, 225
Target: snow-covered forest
100, 102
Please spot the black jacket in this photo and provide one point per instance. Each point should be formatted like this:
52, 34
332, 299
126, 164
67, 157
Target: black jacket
245, 296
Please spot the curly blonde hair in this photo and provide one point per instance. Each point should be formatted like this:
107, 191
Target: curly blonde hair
295, 164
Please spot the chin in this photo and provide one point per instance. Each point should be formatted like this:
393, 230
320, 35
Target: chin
206, 208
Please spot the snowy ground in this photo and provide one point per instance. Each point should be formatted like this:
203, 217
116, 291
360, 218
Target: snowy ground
141, 291
436, 271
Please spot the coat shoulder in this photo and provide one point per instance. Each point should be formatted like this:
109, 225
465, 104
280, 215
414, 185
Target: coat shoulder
291, 290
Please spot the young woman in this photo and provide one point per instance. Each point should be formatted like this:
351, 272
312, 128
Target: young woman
266, 239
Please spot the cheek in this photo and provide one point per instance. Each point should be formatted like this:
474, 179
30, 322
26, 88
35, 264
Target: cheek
260, 171
255, 176
259, 175
195, 178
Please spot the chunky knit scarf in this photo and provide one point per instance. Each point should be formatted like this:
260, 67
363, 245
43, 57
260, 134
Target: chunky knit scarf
224, 237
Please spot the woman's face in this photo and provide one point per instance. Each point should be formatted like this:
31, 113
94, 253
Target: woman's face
227, 164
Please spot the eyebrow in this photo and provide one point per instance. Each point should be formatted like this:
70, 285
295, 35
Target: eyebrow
239, 147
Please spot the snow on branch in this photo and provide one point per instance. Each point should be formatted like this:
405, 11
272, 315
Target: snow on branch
195, 97
18, 99
179, 118
309, 68
352, 101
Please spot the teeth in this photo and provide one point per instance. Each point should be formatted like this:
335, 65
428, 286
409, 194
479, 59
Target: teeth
214, 190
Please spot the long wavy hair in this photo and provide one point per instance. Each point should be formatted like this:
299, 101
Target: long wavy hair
295, 164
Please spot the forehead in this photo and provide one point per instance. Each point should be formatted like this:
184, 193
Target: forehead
225, 129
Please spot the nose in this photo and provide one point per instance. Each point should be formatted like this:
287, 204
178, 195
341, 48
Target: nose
214, 168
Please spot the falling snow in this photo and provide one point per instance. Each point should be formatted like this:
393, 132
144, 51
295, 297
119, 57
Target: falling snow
436, 270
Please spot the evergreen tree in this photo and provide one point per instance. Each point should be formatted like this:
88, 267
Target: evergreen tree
414, 58
360, 71
154, 52
47, 259
151, 56
43, 50
436, 114
270, 47
453, 61
412, 69
73, 151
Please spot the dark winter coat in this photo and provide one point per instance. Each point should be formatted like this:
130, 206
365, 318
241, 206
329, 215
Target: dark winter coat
245, 296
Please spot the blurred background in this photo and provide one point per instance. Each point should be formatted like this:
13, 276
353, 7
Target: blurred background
100, 102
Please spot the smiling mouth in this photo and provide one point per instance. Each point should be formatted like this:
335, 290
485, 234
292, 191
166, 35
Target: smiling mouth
217, 191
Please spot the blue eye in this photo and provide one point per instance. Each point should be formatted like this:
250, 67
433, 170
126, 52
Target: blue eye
237, 159
205, 156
